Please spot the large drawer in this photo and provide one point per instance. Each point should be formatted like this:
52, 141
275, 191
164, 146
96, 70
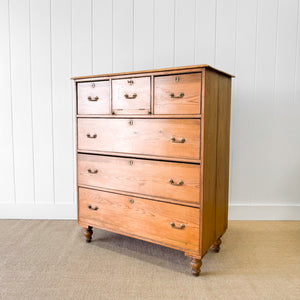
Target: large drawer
177, 94
161, 222
178, 181
179, 138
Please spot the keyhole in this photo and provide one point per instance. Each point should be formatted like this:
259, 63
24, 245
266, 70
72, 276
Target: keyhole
93, 85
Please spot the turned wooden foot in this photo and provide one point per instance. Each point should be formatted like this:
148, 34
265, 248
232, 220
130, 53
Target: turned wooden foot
196, 266
216, 245
88, 232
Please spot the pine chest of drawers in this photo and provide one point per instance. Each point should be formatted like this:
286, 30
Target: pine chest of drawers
153, 156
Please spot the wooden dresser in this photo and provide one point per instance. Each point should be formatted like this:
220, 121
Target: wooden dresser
153, 156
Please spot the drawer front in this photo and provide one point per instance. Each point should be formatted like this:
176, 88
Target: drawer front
177, 94
94, 97
178, 181
178, 138
131, 96
166, 223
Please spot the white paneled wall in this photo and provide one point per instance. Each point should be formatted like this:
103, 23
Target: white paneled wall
45, 42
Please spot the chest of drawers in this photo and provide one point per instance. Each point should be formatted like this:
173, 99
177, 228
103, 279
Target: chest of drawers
153, 156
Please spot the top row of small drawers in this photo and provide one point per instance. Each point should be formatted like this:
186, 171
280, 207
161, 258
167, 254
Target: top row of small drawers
172, 94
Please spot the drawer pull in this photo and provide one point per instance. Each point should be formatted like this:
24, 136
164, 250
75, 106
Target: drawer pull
93, 172
177, 184
93, 99
91, 136
174, 226
181, 141
181, 95
93, 208
130, 122
131, 201
130, 97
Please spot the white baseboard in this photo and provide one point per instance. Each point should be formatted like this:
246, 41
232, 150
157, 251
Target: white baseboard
69, 211
264, 212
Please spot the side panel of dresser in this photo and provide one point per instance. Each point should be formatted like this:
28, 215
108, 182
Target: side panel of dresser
215, 133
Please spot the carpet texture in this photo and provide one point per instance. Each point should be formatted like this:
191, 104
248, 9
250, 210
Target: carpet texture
43, 259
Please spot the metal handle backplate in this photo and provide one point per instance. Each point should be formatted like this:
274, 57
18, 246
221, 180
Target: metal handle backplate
93, 208
93, 171
91, 136
181, 95
130, 97
176, 227
93, 99
171, 181
181, 141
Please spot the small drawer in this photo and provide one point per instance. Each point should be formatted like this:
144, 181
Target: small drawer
177, 94
168, 180
131, 96
94, 97
164, 223
179, 138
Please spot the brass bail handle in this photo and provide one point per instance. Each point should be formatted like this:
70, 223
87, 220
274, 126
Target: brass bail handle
130, 97
181, 141
181, 95
93, 99
182, 226
93, 208
171, 181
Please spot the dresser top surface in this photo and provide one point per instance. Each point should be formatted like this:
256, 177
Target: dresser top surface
187, 68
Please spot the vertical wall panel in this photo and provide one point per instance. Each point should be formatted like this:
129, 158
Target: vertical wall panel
41, 100
102, 36
205, 32
82, 62
143, 34
286, 131
21, 100
63, 115
243, 106
6, 149
286, 51
122, 35
264, 99
225, 39
185, 32
164, 33
297, 72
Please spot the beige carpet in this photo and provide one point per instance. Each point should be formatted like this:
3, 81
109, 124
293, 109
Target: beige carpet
50, 260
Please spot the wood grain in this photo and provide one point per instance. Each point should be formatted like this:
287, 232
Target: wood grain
88, 92
188, 85
147, 177
141, 136
131, 95
223, 144
209, 146
144, 218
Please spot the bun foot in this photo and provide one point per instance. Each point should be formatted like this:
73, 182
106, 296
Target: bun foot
88, 233
196, 266
216, 245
